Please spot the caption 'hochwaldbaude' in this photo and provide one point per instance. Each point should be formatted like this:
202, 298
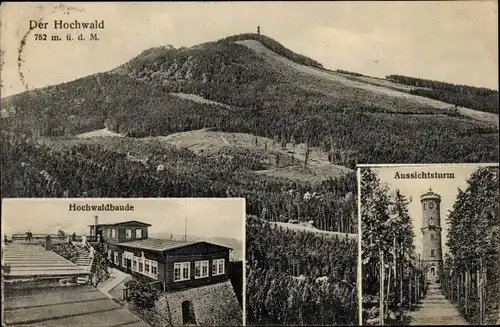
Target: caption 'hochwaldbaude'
73, 25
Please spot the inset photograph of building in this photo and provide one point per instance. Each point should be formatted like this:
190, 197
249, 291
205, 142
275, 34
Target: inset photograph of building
137, 262
430, 244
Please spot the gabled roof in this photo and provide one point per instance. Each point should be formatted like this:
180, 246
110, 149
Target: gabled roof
122, 223
160, 245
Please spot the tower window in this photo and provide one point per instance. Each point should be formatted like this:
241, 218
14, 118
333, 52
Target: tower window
425, 205
432, 237
431, 222
432, 253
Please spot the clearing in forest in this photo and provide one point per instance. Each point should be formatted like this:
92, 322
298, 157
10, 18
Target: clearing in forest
99, 132
209, 142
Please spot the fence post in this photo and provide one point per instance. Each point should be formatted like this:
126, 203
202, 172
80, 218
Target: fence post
481, 293
417, 294
484, 283
459, 288
381, 291
401, 274
466, 304
410, 291
479, 296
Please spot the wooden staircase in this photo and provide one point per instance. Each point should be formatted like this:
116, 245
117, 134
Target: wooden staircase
84, 259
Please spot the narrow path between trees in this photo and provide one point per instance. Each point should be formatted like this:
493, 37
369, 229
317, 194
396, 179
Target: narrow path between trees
435, 309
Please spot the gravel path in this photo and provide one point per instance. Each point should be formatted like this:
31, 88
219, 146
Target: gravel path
435, 309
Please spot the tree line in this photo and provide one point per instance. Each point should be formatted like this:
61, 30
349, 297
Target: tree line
474, 248
117, 167
393, 279
479, 98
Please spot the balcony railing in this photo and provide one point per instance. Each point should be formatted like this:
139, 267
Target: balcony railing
91, 239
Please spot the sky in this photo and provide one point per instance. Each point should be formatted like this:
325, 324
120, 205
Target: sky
452, 41
414, 188
205, 217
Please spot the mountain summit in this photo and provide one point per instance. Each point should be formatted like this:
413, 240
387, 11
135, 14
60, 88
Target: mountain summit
252, 84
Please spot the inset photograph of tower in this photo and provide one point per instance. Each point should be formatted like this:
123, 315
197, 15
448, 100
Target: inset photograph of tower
430, 244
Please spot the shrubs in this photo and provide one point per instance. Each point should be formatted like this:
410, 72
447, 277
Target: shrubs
142, 295
67, 251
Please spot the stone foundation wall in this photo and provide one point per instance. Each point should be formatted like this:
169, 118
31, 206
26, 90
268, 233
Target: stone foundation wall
212, 305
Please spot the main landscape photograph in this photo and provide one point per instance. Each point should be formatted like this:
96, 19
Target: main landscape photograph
275, 103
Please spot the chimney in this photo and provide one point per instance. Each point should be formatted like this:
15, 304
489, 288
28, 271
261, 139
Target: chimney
96, 222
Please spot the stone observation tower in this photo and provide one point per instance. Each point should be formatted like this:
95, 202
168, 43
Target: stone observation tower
432, 255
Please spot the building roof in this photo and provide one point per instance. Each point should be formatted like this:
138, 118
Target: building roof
33, 261
161, 245
122, 222
65, 306
430, 194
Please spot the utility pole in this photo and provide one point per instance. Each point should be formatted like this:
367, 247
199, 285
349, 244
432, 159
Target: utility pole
185, 229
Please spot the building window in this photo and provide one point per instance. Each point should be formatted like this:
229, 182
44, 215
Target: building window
181, 271
108, 232
201, 269
138, 233
134, 264
117, 262
128, 233
218, 267
154, 269
109, 254
147, 265
124, 261
424, 205
432, 252
432, 237
141, 266
113, 233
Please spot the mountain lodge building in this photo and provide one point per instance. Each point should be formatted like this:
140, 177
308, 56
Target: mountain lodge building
177, 264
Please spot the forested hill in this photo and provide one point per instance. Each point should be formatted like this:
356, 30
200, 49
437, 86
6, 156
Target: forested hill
257, 86
479, 98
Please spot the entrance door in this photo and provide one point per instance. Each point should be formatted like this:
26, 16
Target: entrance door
187, 313
129, 265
